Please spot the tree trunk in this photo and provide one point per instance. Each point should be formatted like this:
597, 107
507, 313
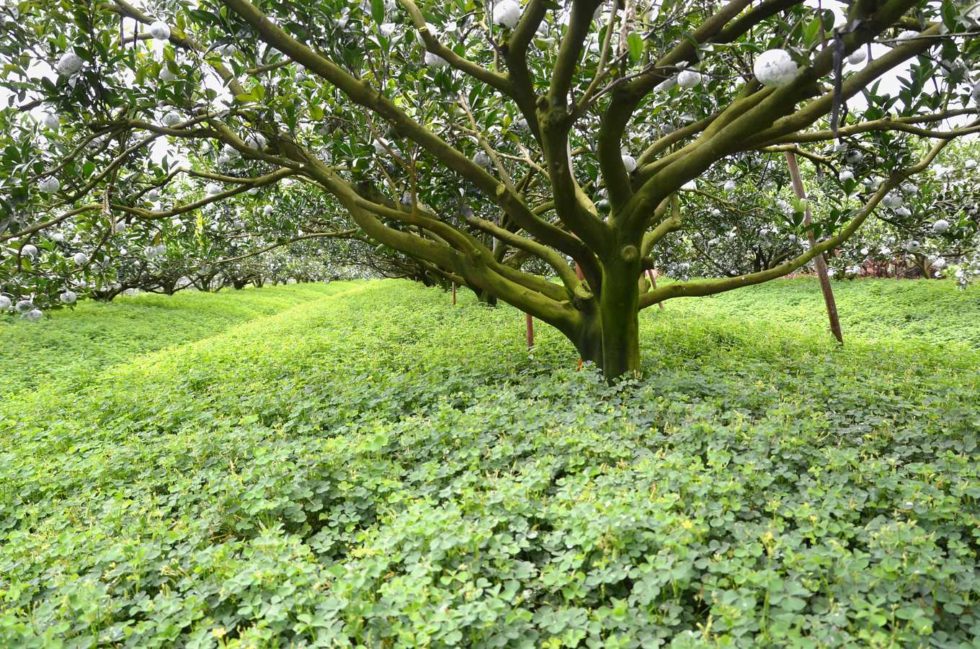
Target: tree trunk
610, 335
485, 298
588, 340
620, 332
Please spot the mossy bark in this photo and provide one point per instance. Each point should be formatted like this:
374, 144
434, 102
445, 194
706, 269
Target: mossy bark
619, 314
609, 333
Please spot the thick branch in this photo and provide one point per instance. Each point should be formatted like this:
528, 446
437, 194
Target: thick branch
362, 94
552, 258
741, 132
713, 286
627, 97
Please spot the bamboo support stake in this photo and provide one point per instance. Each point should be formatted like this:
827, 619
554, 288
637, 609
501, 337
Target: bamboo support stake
652, 276
581, 276
819, 261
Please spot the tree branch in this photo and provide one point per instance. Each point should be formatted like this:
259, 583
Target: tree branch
711, 287
341, 234
432, 44
742, 132
362, 94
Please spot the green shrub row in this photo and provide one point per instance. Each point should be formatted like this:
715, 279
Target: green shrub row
77, 344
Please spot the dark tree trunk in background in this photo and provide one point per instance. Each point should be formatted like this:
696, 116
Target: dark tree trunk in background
485, 298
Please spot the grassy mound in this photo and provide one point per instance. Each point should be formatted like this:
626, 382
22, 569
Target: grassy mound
371, 466
76, 344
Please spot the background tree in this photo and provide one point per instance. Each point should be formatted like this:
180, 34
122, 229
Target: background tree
927, 228
482, 140
754, 222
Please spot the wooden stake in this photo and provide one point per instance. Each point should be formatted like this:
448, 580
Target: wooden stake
652, 276
819, 261
581, 276
454, 293
529, 323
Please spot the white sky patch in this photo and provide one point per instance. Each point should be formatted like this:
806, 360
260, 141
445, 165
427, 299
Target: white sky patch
889, 84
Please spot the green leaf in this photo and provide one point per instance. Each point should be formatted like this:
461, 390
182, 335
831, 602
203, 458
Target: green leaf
378, 11
811, 31
635, 43
11, 154
950, 16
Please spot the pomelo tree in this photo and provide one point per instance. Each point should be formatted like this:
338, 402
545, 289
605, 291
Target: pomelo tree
504, 144
930, 228
925, 228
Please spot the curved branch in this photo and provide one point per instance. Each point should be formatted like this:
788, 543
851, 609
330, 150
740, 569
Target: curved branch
626, 97
432, 44
750, 126
572, 42
854, 84
515, 54
475, 270
905, 124
37, 227
812, 157
552, 258
363, 95
258, 181
710, 287
473, 250
671, 224
673, 137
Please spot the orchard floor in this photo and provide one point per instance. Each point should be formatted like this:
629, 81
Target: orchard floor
365, 464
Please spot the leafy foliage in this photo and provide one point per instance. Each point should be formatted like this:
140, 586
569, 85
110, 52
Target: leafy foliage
747, 218
320, 477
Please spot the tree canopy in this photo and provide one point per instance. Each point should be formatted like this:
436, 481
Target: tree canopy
502, 145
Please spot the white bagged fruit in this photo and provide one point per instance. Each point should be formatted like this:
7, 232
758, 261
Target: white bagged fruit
507, 13
69, 64
49, 185
689, 79
775, 68
160, 31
